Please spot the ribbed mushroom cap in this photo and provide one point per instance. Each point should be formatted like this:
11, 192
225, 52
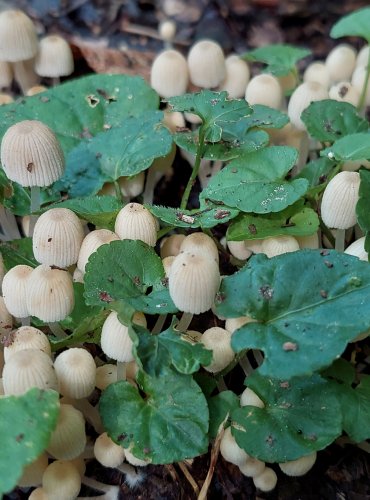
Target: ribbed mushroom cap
232, 324
341, 62
57, 237
237, 77
105, 375
15, 290
193, 282
266, 481
50, 295
357, 249
218, 341
115, 340
206, 63
300, 466
32, 473
61, 481
264, 89
27, 369
18, 37
6, 74
278, 245
167, 263
6, 319
26, 337
250, 398
75, 369
252, 467
338, 204
301, 98
68, 440
54, 57
169, 74
230, 450
135, 222
239, 250
92, 242
200, 244
171, 246
107, 452
31, 154
344, 92
317, 72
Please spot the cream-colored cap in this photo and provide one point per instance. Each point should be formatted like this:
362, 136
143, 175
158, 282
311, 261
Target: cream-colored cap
344, 92
232, 324
317, 72
301, 98
75, 369
54, 57
264, 89
252, 467
277, 245
61, 481
250, 398
200, 244
341, 62
135, 222
105, 375
68, 439
91, 243
15, 290
26, 337
107, 452
18, 37
357, 248
218, 341
206, 63
300, 466
338, 204
171, 246
230, 450
169, 74
266, 481
237, 77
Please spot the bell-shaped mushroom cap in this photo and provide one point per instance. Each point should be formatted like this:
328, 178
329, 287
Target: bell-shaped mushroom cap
317, 72
250, 398
170, 246
206, 64
167, 263
200, 244
91, 243
301, 98
26, 337
239, 250
6, 319
54, 57
230, 450
57, 237
300, 466
15, 290
363, 56
75, 369
357, 248
338, 204
50, 295
218, 341
341, 62
105, 375
107, 452
237, 77
310, 241
115, 340
277, 245
68, 440
193, 282
344, 92
266, 481
31, 154
6, 74
32, 473
38, 494
27, 369
135, 222
264, 89
169, 74
61, 481
252, 467
18, 37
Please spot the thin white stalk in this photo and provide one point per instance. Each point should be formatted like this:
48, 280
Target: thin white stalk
110, 492
35, 206
157, 328
25, 321
90, 413
184, 322
245, 365
9, 225
340, 235
57, 330
153, 176
258, 356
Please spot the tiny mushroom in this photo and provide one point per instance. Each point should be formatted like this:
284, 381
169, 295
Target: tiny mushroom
206, 64
15, 290
54, 58
300, 466
61, 480
68, 439
135, 222
230, 450
218, 340
264, 89
169, 73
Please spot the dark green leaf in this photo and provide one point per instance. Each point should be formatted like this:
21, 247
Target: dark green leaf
318, 172
219, 406
18, 252
80, 311
309, 305
280, 58
300, 416
362, 207
167, 421
355, 24
341, 371
350, 147
26, 425
266, 117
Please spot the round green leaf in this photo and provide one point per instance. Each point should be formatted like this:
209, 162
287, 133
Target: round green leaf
280, 58
349, 147
165, 420
355, 24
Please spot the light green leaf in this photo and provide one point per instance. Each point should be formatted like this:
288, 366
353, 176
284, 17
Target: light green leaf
26, 425
219, 406
256, 182
355, 24
280, 58
309, 304
329, 120
300, 416
165, 419
350, 147
17, 252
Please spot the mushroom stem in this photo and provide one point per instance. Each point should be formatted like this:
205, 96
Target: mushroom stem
111, 492
258, 356
340, 240
90, 413
25, 321
8, 224
198, 158
121, 370
362, 99
35, 206
153, 176
132, 476
245, 365
57, 330
55, 81
221, 386
184, 322
157, 328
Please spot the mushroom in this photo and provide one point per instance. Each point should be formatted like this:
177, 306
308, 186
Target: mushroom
341, 62
266, 480
135, 222
344, 92
317, 72
38, 494
91, 243
301, 98
105, 375
54, 58
300, 466
61, 480
206, 63
357, 248
167, 31
107, 452
169, 74
237, 77
264, 89
15, 290
218, 341
358, 81
26, 337
250, 398
230, 450
68, 439
252, 467
200, 244
170, 246
277, 245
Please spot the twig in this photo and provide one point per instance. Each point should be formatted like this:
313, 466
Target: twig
189, 477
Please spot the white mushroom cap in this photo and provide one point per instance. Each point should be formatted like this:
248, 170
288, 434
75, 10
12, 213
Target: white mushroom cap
18, 37
193, 282
137, 462
357, 248
57, 237
68, 439
54, 57
31, 154
61, 480
167, 263
363, 56
115, 340
91, 243
237, 77
200, 244
232, 324
75, 369
358, 81
338, 204
277, 245
206, 64
250, 398
167, 30
107, 452
317, 72
27, 369
105, 375
252, 467
38, 494
135, 222
264, 89
311, 241
50, 295
169, 74
301, 98
341, 62
300, 466
171, 246
218, 341
266, 481
173, 120
6, 319
239, 250
32, 473
230, 450
15, 290
344, 92
26, 337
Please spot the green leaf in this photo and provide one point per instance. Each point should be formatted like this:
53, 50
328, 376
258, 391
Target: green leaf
219, 406
165, 419
341, 371
264, 116
214, 108
83, 107
355, 24
300, 416
362, 207
350, 147
280, 58
207, 216
157, 353
318, 172
80, 310
26, 424
17, 252
256, 182
296, 220
329, 120
99, 210
309, 304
